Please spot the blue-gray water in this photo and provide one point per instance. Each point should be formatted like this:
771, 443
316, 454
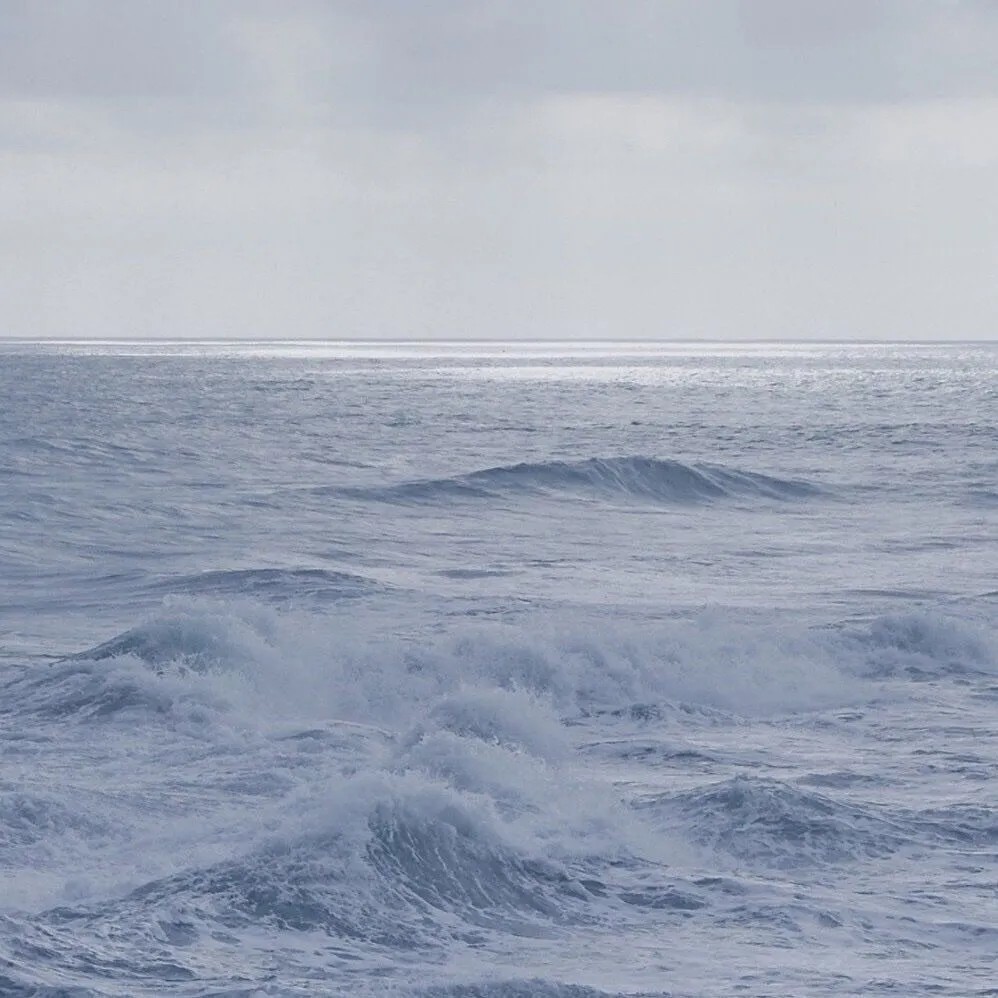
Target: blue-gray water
498, 671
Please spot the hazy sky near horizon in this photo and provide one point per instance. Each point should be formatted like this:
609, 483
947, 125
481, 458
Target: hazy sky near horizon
462, 168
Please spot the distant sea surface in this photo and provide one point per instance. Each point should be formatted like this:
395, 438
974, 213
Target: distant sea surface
498, 670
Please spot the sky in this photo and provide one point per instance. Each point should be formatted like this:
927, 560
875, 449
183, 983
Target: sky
568, 169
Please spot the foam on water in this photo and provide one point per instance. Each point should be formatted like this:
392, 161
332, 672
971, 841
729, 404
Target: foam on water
300, 665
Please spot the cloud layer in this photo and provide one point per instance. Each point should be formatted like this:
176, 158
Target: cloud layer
576, 168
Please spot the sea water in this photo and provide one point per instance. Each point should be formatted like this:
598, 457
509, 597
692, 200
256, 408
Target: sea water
498, 670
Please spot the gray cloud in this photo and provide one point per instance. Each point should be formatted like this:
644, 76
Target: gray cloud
395, 53
572, 167
435, 56
117, 50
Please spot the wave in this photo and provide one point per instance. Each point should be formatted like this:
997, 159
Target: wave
646, 479
285, 584
390, 862
193, 657
399, 858
529, 988
123, 689
386, 797
296, 664
200, 656
926, 645
963, 824
774, 824
472, 819
29, 818
534, 988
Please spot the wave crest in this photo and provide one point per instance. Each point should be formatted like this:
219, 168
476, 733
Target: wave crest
200, 655
273, 584
645, 479
772, 823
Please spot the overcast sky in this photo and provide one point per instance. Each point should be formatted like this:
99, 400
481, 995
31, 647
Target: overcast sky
511, 168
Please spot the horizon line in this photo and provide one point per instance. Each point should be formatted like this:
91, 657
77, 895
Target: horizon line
491, 341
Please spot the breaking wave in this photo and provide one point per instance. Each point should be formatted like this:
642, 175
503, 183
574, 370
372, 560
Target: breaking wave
200, 655
385, 860
928, 645
453, 799
447, 802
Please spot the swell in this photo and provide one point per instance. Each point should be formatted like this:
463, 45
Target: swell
773, 824
645, 479
534, 988
272, 584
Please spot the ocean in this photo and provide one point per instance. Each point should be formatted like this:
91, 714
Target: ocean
498, 670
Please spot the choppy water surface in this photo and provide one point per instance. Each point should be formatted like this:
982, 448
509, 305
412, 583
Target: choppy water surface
499, 670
